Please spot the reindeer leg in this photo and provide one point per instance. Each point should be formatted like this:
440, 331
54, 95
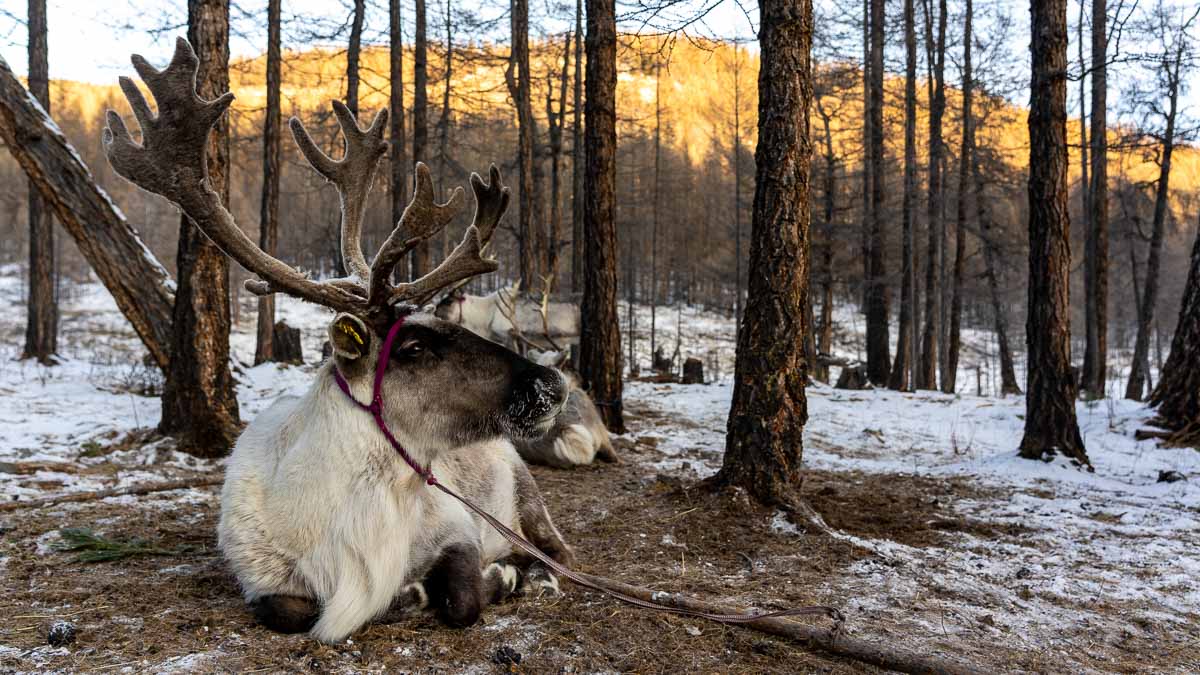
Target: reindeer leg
539, 529
458, 589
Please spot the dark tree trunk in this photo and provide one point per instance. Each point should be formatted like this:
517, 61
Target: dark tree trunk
396, 156
577, 160
556, 122
288, 344
991, 260
352, 54
867, 205
901, 367
878, 346
41, 326
517, 77
420, 148
764, 445
600, 344
737, 187
1050, 424
825, 336
965, 158
199, 403
444, 121
932, 331
1095, 374
140, 285
268, 221
654, 208
1140, 371
1178, 393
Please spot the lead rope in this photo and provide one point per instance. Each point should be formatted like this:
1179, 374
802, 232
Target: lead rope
375, 408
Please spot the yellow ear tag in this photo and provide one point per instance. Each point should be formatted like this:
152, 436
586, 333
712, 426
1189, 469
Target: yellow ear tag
349, 330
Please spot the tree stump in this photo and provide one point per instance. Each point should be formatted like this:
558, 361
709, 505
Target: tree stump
853, 377
693, 371
662, 362
287, 344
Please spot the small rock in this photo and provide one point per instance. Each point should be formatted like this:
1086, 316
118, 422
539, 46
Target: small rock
506, 656
693, 631
61, 634
1170, 477
1024, 573
987, 619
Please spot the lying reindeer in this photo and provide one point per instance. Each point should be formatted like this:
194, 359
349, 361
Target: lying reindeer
325, 516
513, 319
577, 437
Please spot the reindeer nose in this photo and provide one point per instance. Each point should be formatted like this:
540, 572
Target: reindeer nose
537, 392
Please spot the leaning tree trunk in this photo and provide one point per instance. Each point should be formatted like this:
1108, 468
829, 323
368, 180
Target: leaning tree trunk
420, 147
1178, 393
764, 444
41, 324
1140, 372
902, 366
600, 342
396, 155
1050, 424
199, 403
1096, 375
268, 236
878, 362
932, 330
140, 285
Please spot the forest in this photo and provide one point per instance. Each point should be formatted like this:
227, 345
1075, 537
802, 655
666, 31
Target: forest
670, 336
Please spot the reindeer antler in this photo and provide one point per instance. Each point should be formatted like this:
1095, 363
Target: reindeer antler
170, 161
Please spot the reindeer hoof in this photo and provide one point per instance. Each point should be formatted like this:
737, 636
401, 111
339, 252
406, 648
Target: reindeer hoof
540, 582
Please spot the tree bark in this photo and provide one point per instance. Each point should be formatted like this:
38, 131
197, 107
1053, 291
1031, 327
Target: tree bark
268, 235
41, 323
556, 121
867, 205
140, 285
444, 121
396, 156
902, 366
1139, 372
1095, 374
764, 445
953, 342
517, 78
600, 342
1178, 393
825, 336
737, 188
1050, 424
577, 160
199, 403
654, 208
878, 345
420, 256
932, 331
1008, 376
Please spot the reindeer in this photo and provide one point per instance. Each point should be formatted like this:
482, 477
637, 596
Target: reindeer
514, 319
326, 519
577, 437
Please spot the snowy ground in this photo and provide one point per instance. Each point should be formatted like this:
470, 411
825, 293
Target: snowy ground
1109, 554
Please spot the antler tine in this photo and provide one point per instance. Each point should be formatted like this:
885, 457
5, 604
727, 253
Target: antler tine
422, 219
171, 162
466, 260
352, 175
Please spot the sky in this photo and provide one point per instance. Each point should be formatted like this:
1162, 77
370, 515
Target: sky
92, 41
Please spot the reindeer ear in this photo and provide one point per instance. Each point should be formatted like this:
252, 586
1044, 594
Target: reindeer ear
349, 336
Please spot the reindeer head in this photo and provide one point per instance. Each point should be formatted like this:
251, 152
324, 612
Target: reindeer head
443, 385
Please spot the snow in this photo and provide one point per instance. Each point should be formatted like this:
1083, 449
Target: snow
1090, 540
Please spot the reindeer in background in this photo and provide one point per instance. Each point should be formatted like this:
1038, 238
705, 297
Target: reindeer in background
325, 519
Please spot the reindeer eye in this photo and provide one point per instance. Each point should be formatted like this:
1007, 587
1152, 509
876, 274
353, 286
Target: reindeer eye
410, 347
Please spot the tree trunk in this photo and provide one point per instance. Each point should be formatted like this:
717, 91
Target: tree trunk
1139, 373
737, 188
140, 285
41, 324
556, 122
517, 78
953, 342
600, 343
577, 160
352, 53
1008, 376
865, 230
397, 158
1050, 424
654, 209
932, 331
902, 366
268, 221
764, 445
1178, 393
199, 403
1096, 373
878, 362
444, 121
420, 257
825, 337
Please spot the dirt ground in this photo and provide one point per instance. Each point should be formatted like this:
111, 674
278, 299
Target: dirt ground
182, 611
